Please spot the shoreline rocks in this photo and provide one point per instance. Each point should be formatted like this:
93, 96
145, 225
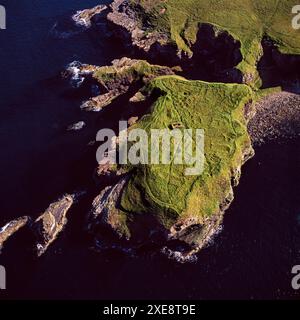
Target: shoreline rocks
85, 18
49, 225
11, 228
76, 126
105, 210
124, 16
114, 80
277, 116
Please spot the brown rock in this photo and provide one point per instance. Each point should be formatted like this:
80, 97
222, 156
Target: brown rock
51, 222
11, 228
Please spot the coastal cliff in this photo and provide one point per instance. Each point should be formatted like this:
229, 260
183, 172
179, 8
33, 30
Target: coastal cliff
177, 23
183, 212
142, 205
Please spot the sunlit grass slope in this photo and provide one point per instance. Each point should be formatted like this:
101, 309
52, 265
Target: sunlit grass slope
246, 20
165, 190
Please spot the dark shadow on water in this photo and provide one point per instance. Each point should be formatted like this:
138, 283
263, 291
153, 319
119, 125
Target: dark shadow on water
250, 259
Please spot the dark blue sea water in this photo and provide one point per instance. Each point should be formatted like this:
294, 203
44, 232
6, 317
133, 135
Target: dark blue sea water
251, 258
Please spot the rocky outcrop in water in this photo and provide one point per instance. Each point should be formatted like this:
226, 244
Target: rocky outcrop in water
66, 27
85, 18
114, 80
11, 228
105, 211
76, 126
49, 225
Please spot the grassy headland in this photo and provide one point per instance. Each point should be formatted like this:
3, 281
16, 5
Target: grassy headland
165, 190
248, 21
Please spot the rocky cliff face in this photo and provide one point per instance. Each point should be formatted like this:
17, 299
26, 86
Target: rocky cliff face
138, 214
86, 18
48, 226
114, 80
105, 210
124, 16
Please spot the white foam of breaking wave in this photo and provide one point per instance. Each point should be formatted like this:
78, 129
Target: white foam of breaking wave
83, 18
178, 256
62, 34
5, 227
81, 21
211, 239
77, 77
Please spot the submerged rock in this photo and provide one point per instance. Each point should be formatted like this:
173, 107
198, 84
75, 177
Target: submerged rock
11, 228
48, 226
76, 126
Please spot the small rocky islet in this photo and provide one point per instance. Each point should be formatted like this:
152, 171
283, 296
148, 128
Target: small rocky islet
159, 205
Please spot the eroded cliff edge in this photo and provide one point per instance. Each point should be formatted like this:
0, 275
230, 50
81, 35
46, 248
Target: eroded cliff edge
177, 23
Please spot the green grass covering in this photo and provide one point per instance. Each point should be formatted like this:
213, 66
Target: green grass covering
164, 189
246, 20
132, 70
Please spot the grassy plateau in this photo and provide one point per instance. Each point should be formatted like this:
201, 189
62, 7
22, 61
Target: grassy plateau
248, 21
